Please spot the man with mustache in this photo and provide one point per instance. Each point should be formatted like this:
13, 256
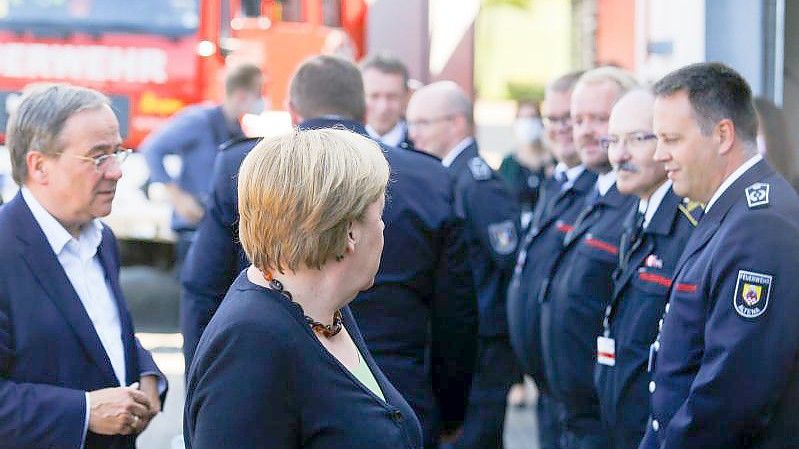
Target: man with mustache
577, 288
655, 235
562, 199
725, 361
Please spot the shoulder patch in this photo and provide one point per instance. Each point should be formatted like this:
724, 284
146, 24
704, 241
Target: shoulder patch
752, 291
480, 170
691, 210
757, 195
503, 237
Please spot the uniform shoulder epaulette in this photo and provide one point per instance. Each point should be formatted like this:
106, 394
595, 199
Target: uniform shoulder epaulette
691, 210
480, 170
757, 195
237, 140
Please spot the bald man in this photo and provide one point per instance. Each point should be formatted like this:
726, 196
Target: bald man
655, 234
441, 124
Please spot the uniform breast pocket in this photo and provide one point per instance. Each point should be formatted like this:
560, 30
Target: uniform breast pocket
593, 268
646, 303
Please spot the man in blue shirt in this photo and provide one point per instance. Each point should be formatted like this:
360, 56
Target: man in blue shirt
194, 135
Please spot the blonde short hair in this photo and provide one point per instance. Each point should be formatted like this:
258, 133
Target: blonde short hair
299, 193
622, 78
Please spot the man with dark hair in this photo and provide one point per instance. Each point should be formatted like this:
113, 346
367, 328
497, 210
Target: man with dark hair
562, 199
195, 134
725, 371
385, 82
72, 373
420, 317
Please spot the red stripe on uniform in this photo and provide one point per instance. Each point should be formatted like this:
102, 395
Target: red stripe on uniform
563, 227
606, 354
599, 244
686, 288
657, 279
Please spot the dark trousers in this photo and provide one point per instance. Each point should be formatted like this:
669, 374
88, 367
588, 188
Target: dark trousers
497, 370
548, 415
581, 428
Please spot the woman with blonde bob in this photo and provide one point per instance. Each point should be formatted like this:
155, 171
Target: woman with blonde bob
282, 363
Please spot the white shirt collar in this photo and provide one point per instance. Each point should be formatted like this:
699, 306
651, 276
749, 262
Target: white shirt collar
605, 181
732, 178
455, 152
571, 173
57, 236
392, 138
649, 207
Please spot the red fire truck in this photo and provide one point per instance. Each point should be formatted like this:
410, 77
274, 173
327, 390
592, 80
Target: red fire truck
153, 57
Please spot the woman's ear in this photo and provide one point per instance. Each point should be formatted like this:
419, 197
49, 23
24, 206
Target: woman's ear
351, 242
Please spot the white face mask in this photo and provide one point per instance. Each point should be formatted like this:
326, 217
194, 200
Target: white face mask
527, 129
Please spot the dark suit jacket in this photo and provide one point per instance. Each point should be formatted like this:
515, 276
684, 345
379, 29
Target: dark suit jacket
261, 379
419, 319
50, 354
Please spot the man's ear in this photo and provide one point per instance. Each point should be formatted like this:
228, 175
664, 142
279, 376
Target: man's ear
36, 163
725, 135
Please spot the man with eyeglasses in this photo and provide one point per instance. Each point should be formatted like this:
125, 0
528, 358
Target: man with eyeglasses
655, 235
72, 373
577, 286
561, 200
441, 123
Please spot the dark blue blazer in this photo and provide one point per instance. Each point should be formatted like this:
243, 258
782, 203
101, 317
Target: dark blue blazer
574, 295
491, 215
50, 354
261, 379
640, 291
420, 317
553, 217
727, 370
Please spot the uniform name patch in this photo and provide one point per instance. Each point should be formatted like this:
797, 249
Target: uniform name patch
752, 292
503, 237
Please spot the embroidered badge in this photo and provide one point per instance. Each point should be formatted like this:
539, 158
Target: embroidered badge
480, 170
752, 292
502, 237
757, 194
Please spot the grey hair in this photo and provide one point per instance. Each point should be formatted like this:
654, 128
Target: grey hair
456, 100
620, 77
37, 122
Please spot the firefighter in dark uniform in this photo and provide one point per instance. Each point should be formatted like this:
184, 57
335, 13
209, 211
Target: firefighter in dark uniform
561, 200
441, 124
725, 362
575, 292
654, 237
420, 317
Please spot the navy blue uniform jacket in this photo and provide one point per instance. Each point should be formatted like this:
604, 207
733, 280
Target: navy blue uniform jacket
491, 215
574, 296
640, 292
50, 354
424, 284
261, 379
726, 373
553, 217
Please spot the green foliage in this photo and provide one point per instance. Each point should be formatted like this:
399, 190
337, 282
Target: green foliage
522, 90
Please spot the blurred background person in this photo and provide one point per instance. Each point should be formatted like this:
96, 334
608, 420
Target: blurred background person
310, 222
441, 120
194, 135
387, 87
528, 166
774, 142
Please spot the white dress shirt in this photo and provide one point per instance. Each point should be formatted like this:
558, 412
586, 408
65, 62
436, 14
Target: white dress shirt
571, 173
650, 206
78, 257
605, 181
455, 152
393, 138
732, 178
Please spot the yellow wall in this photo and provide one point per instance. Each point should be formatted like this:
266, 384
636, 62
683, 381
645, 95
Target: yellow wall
524, 46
